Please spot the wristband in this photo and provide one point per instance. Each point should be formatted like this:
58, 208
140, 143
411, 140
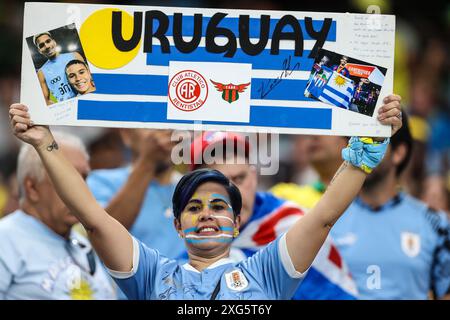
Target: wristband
365, 153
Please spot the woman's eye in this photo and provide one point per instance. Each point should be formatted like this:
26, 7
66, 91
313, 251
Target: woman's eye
218, 207
193, 209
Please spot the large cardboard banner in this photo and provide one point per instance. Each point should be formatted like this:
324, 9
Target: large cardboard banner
239, 70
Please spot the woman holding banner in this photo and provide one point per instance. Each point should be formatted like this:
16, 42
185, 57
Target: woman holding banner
206, 208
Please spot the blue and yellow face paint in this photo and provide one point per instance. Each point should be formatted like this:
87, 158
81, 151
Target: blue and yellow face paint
219, 208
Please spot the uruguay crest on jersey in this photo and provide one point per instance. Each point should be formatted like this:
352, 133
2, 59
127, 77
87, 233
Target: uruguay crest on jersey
410, 243
236, 280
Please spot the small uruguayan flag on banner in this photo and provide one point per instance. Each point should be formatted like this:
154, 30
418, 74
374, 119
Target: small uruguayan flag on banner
338, 91
317, 81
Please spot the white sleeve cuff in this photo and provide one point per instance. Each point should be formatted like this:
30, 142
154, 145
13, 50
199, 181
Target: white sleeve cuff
128, 274
286, 259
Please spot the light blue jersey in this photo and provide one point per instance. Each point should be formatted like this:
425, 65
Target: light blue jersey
398, 251
267, 275
36, 263
154, 223
54, 72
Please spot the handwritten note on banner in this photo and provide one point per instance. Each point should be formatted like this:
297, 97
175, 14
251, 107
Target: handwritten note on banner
238, 70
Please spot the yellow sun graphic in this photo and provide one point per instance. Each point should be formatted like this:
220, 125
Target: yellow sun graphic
339, 81
96, 37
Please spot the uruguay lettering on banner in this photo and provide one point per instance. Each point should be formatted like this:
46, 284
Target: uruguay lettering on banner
280, 61
328, 277
338, 91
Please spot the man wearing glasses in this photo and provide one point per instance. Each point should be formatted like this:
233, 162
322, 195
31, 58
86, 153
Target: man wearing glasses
40, 256
52, 77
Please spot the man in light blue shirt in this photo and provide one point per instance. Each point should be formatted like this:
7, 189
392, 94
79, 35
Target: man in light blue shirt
40, 256
395, 246
52, 76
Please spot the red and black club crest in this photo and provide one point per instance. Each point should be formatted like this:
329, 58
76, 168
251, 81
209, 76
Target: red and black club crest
230, 92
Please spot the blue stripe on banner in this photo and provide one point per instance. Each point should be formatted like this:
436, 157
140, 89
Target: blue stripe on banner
283, 117
281, 90
262, 61
254, 27
157, 85
140, 84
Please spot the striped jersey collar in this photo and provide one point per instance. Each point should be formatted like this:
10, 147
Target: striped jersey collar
216, 264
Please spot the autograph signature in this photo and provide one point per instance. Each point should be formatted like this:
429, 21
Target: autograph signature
267, 86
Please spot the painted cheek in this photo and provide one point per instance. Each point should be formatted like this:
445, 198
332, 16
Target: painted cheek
194, 220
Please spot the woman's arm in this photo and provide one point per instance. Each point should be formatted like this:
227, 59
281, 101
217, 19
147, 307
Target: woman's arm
110, 239
305, 238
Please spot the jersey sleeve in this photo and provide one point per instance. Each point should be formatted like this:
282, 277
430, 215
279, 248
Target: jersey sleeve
139, 283
441, 264
273, 268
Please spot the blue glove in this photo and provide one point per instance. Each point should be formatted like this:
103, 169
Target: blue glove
364, 153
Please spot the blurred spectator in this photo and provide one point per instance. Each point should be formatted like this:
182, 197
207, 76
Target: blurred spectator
107, 151
325, 157
395, 245
436, 193
40, 257
302, 172
9, 91
422, 104
388, 230
437, 157
139, 195
437, 162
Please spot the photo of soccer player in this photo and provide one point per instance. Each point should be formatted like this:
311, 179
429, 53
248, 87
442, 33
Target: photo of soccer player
345, 82
79, 76
60, 64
